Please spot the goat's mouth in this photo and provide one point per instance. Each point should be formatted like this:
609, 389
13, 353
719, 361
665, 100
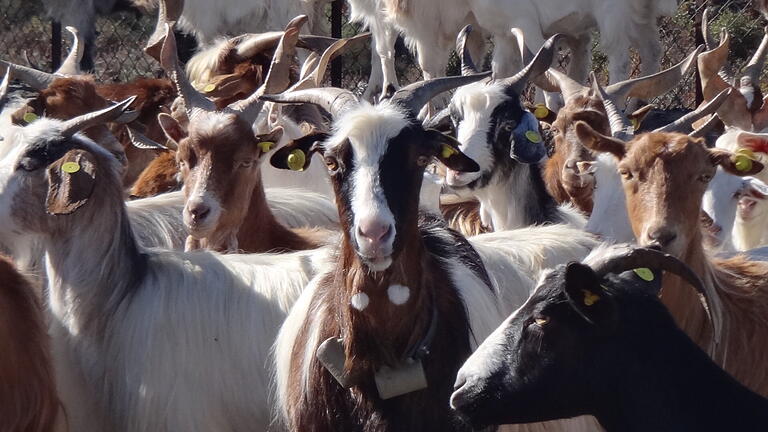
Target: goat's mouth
376, 263
456, 179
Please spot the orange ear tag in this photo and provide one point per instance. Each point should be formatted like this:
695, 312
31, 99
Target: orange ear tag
70, 167
296, 160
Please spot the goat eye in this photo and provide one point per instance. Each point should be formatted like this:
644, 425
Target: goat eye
246, 163
705, 178
422, 161
541, 320
510, 126
331, 163
626, 174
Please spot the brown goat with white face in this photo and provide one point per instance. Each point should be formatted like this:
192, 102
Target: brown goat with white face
664, 177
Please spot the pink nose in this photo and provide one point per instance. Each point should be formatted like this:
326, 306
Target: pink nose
199, 211
373, 230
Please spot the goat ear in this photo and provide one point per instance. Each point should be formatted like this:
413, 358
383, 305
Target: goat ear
586, 295
172, 128
598, 142
70, 182
526, 144
26, 114
738, 164
756, 188
446, 150
752, 141
297, 155
268, 141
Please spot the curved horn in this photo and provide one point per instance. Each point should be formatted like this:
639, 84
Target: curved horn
650, 86
711, 63
91, 119
684, 123
467, 65
540, 63
704, 129
315, 78
621, 127
37, 79
332, 99
565, 84
756, 63
71, 65
194, 102
139, 140
709, 38
168, 12
414, 96
545, 81
643, 257
248, 45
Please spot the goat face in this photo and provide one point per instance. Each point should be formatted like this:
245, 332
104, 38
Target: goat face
376, 159
495, 130
727, 194
218, 161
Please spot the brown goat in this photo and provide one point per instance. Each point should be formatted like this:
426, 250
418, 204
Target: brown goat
664, 177
160, 176
28, 399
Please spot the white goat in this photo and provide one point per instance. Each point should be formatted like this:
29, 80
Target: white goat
144, 339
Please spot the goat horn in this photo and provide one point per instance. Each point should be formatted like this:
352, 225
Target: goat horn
756, 63
168, 11
39, 80
248, 45
91, 119
467, 65
709, 38
545, 81
540, 64
643, 257
193, 100
71, 65
139, 140
704, 129
621, 127
332, 99
4, 87
414, 96
650, 86
684, 123
564, 84
315, 78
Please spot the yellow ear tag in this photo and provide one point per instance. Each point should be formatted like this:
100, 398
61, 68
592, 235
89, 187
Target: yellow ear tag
742, 162
590, 298
29, 117
448, 151
533, 136
70, 167
266, 146
635, 123
746, 152
541, 111
209, 88
296, 160
644, 273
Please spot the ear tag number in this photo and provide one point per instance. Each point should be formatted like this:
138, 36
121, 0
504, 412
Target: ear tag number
448, 151
533, 136
29, 117
742, 162
209, 88
644, 274
266, 146
70, 167
296, 160
635, 123
541, 111
590, 298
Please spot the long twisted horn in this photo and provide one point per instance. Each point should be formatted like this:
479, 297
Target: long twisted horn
37, 79
194, 102
751, 72
621, 127
467, 65
414, 96
91, 119
538, 66
71, 65
547, 81
684, 123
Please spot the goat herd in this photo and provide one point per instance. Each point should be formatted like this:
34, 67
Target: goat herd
291, 257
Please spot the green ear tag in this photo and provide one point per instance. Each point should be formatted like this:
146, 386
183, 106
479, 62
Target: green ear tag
541, 111
209, 88
742, 162
533, 136
70, 167
644, 273
296, 160
266, 146
746, 152
29, 117
448, 151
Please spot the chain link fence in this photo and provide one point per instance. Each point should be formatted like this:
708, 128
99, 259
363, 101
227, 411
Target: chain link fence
26, 37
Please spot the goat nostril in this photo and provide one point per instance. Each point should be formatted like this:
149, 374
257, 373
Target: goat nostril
662, 237
374, 231
199, 212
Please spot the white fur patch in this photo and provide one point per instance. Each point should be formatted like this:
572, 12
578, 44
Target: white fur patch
398, 294
359, 301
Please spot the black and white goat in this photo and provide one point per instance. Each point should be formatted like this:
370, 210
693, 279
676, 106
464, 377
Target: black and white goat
496, 130
144, 339
372, 342
594, 338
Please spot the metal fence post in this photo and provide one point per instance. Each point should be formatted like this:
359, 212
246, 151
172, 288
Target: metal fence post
55, 45
336, 65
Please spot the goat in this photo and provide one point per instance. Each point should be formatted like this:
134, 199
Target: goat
403, 285
594, 338
115, 304
28, 397
496, 131
664, 175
